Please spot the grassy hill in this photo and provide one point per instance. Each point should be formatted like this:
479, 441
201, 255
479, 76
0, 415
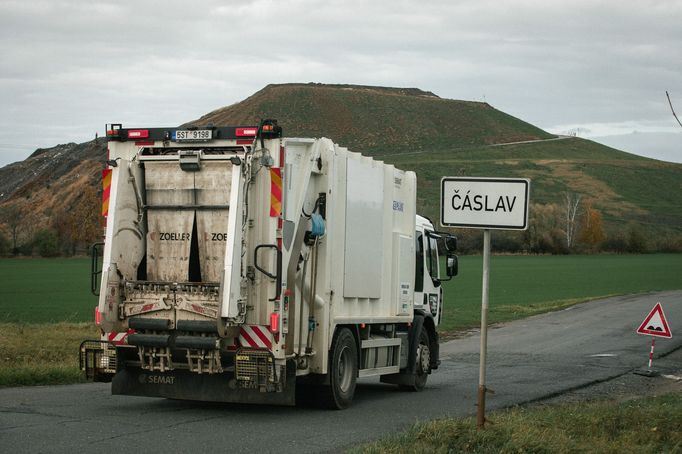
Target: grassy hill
413, 129
624, 187
417, 130
376, 119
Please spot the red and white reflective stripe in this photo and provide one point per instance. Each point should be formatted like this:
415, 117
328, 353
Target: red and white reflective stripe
118, 338
651, 352
255, 336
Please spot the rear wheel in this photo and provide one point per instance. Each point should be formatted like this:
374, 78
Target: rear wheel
343, 370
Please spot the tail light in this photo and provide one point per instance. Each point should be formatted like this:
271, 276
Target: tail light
138, 133
246, 132
274, 323
98, 317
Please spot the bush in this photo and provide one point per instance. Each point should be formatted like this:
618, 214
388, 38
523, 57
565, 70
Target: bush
507, 242
552, 242
615, 242
46, 242
669, 243
5, 246
469, 241
636, 239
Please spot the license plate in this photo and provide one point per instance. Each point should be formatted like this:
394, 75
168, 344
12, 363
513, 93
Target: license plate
193, 135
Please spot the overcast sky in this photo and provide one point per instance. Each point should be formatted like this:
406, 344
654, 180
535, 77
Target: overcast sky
596, 68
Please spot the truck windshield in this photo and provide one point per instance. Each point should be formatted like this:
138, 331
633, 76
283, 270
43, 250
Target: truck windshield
433, 256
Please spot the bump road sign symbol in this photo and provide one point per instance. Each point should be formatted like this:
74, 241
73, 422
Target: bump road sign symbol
655, 323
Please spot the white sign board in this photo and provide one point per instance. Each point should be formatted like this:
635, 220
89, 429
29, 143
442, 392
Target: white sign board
484, 203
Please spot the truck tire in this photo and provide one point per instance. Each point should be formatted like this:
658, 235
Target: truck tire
343, 371
422, 366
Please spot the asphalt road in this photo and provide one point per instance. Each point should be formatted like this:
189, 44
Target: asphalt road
529, 360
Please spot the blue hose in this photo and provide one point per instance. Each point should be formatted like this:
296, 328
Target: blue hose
318, 225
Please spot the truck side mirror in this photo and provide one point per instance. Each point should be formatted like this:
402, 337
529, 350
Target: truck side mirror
451, 243
452, 265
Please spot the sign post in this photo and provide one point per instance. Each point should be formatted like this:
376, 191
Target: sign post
484, 203
480, 414
655, 325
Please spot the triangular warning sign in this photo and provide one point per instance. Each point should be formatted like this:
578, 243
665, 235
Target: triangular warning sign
655, 323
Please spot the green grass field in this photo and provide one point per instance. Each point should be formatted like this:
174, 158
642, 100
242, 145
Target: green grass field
46, 290
35, 293
54, 290
524, 285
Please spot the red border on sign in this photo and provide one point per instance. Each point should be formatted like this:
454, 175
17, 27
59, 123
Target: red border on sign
666, 329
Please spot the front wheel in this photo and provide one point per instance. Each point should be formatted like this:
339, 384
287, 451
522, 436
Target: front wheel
343, 370
422, 366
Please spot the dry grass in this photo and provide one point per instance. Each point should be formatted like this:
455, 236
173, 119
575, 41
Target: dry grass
42, 354
517, 311
646, 425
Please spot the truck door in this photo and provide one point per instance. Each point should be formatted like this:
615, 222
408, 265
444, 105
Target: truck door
427, 286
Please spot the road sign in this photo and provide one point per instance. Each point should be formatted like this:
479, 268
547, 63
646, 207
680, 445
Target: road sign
655, 323
484, 203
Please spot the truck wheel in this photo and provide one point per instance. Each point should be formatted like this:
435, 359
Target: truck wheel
422, 366
343, 371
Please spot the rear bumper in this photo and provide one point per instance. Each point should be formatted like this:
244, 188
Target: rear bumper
186, 385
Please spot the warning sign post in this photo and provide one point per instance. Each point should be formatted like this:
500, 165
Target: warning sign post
655, 325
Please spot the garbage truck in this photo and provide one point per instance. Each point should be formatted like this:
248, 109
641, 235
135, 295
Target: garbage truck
239, 265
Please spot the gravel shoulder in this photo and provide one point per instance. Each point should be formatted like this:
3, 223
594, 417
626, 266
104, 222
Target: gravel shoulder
629, 385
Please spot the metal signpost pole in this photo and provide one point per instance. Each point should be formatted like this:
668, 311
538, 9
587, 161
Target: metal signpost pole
484, 329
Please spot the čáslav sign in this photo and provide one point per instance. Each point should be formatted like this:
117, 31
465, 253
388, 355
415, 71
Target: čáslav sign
484, 203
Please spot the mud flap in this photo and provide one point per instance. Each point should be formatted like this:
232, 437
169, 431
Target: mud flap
186, 385
435, 350
407, 375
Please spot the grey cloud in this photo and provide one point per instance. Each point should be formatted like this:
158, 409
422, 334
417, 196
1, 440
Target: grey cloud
79, 64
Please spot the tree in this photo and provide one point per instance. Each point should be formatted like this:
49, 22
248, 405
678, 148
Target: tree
4, 244
544, 233
571, 207
81, 222
12, 216
86, 217
671, 108
62, 226
592, 231
46, 242
636, 239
